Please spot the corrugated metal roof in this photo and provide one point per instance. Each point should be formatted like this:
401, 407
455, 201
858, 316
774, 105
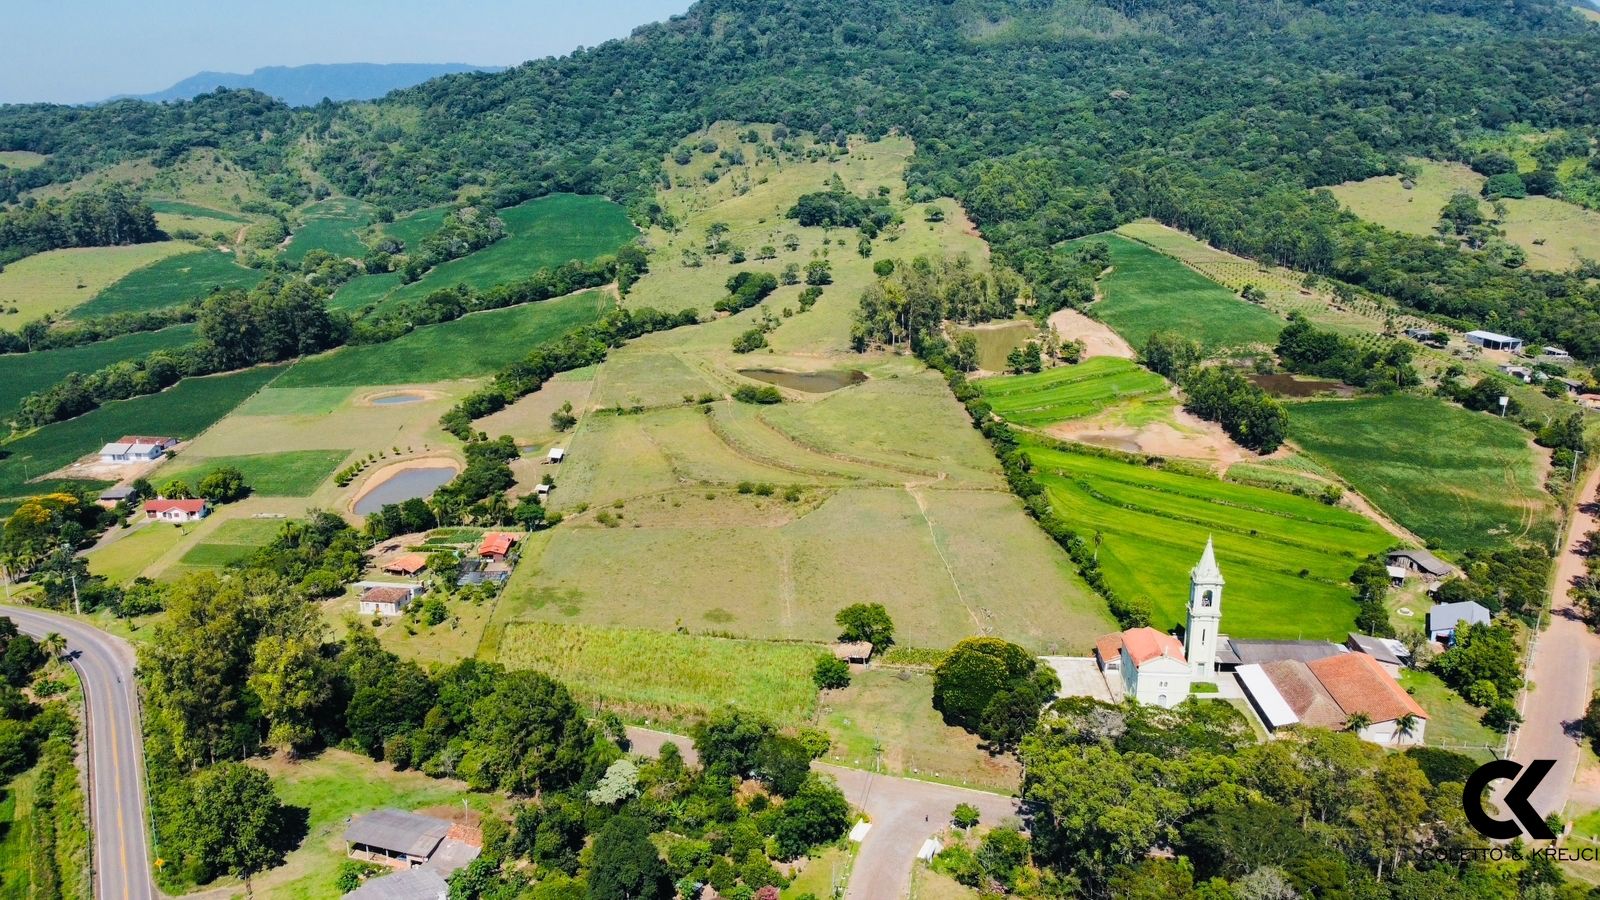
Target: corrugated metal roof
411, 884
398, 831
1273, 708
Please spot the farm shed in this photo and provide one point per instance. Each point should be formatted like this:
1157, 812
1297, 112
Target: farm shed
853, 651
1489, 340
407, 564
1326, 692
1421, 562
110, 497
1387, 652
396, 837
555, 455
1275, 712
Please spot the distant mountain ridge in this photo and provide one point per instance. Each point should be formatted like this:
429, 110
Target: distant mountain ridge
307, 85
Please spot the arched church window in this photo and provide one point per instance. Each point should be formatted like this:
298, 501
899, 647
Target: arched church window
1205, 599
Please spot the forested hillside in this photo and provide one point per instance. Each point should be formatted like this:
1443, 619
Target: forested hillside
1048, 120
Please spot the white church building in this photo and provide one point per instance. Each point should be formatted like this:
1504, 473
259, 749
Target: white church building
1158, 671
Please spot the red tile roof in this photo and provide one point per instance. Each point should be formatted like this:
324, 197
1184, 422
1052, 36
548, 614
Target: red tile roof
1108, 647
497, 543
1358, 683
1299, 687
409, 564
1145, 644
188, 506
386, 595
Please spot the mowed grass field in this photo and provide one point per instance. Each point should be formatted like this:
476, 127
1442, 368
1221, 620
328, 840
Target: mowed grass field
1147, 291
23, 373
1456, 478
182, 411
233, 541
59, 280
294, 473
471, 346
1070, 392
333, 225
665, 676
547, 231
170, 282
1287, 559
1556, 235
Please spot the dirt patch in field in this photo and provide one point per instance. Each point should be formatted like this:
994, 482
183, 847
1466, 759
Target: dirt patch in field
1187, 437
1098, 338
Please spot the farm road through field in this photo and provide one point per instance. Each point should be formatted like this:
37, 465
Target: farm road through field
905, 812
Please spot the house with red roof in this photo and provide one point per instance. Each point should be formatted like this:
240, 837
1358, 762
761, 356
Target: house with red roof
176, 510
496, 545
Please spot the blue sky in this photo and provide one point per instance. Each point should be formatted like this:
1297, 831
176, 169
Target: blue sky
72, 51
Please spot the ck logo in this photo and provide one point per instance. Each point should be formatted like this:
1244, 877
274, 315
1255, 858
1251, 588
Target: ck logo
1524, 781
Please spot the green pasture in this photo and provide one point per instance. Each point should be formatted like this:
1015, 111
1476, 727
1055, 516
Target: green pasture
666, 675
544, 232
1456, 478
1287, 558
471, 346
333, 225
1147, 291
59, 280
127, 557
412, 229
182, 411
997, 340
21, 159
362, 290
1069, 392
170, 282
24, 373
194, 211
294, 473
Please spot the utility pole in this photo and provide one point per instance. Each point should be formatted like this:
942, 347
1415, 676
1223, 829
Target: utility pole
72, 570
1574, 477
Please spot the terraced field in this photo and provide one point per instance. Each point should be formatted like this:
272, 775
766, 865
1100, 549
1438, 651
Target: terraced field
1458, 479
1147, 291
471, 346
23, 373
170, 282
1287, 559
1070, 392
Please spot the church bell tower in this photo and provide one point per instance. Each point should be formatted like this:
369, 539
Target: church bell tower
1205, 616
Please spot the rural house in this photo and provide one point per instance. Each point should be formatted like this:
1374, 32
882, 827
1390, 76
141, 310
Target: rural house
1445, 618
110, 497
853, 651
388, 599
1422, 563
1327, 692
176, 510
1489, 340
136, 449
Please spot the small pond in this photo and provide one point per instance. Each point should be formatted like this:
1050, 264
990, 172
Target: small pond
397, 399
810, 382
404, 485
1290, 386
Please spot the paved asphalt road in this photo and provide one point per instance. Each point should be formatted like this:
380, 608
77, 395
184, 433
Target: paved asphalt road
116, 754
905, 812
1562, 661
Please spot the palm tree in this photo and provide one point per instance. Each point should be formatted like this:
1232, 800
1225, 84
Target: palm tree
1357, 721
54, 644
1405, 726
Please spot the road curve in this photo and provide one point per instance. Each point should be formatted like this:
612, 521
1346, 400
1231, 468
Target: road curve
116, 752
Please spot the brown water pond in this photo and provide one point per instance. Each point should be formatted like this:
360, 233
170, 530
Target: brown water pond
1290, 386
810, 382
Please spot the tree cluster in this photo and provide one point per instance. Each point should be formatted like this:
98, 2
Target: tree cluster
1219, 393
1307, 350
105, 218
994, 689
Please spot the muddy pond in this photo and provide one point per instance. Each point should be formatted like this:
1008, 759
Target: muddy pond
810, 382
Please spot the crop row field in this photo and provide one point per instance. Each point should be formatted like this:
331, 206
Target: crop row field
183, 411
1147, 291
1458, 479
171, 282
24, 373
468, 347
665, 676
1070, 392
1287, 559
333, 225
